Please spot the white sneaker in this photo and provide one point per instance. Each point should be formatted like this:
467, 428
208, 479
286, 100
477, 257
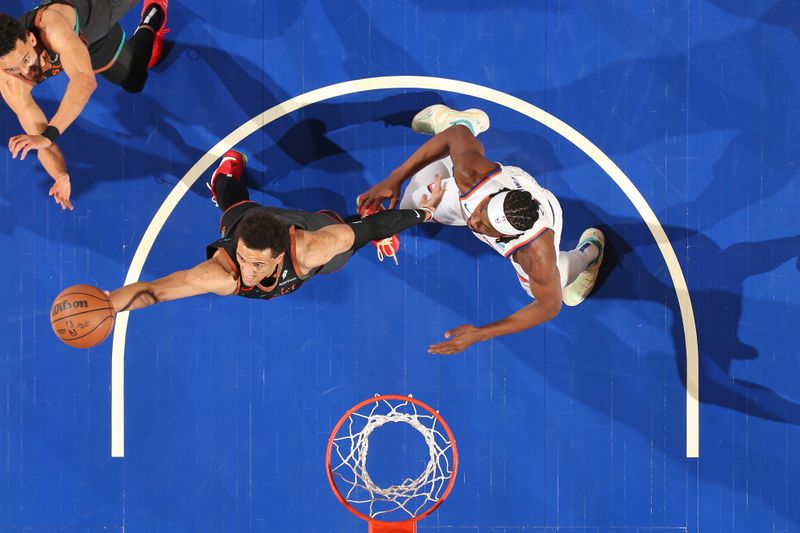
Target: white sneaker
578, 290
438, 117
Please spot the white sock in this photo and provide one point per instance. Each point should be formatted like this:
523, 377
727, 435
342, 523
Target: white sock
572, 263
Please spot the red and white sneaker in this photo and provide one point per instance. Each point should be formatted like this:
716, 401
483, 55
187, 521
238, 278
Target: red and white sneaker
158, 43
387, 247
232, 165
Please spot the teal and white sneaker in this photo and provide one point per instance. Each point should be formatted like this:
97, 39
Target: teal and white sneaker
578, 290
438, 117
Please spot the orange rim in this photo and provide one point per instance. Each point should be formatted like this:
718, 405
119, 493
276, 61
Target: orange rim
376, 399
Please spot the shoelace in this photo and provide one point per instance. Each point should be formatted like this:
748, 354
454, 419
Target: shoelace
385, 249
213, 196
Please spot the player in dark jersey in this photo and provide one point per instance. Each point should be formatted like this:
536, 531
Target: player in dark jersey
265, 252
81, 38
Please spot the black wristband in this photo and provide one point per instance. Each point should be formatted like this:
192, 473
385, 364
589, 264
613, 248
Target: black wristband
51, 133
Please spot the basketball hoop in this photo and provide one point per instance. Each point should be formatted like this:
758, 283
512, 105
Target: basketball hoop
396, 508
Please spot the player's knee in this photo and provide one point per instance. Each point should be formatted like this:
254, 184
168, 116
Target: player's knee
461, 131
134, 86
553, 309
465, 172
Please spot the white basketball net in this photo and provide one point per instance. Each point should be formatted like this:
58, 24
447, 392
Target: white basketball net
411, 497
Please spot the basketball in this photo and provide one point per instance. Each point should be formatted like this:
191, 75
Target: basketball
82, 316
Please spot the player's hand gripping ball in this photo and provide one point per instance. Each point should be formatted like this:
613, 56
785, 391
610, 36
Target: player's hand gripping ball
82, 316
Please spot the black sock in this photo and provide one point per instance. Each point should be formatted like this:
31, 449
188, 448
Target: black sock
141, 46
229, 191
153, 17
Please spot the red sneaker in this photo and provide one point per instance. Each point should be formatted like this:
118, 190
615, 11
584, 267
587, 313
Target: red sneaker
232, 165
387, 247
158, 43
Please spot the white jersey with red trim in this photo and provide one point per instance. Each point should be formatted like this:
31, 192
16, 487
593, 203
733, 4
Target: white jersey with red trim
455, 210
514, 178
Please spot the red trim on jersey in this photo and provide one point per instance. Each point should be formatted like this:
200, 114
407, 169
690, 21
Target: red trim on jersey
475, 187
234, 267
328, 213
520, 245
293, 251
231, 207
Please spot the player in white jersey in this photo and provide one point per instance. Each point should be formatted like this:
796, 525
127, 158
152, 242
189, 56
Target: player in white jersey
504, 207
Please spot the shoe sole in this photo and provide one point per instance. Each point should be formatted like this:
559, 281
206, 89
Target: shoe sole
423, 119
568, 296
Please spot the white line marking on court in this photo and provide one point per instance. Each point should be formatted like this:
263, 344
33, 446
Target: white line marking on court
413, 82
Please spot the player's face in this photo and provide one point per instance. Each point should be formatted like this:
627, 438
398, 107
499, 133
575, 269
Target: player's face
24, 61
256, 265
479, 221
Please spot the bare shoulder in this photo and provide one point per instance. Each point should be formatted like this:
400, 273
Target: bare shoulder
220, 260
215, 274
315, 248
56, 16
538, 258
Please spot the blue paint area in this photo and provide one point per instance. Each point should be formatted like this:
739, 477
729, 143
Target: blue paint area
575, 426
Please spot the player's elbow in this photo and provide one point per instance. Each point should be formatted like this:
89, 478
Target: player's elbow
552, 309
88, 84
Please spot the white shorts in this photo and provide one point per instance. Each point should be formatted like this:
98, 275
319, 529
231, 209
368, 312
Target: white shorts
449, 211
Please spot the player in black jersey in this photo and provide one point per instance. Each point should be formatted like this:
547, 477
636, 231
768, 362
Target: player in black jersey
81, 38
265, 252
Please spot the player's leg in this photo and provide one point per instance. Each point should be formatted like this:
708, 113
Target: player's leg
126, 63
148, 40
469, 162
226, 186
579, 267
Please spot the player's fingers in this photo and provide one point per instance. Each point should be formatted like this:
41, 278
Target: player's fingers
442, 348
18, 146
13, 146
454, 332
25, 151
13, 141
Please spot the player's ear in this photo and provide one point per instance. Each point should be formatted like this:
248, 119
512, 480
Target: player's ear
31, 38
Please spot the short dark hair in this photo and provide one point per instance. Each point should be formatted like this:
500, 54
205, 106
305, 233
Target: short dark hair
261, 231
521, 209
11, 31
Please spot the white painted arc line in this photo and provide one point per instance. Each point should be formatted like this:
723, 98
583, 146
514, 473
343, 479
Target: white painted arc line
430, 83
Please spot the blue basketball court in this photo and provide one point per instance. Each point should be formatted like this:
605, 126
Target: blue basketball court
669, 401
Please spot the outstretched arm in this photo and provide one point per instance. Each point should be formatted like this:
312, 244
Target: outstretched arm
17, 95
207, 277
77, 64
538, 259
469, 164
59, 36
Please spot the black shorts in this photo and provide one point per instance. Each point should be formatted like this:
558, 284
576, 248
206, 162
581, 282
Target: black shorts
106, 51
104, 34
